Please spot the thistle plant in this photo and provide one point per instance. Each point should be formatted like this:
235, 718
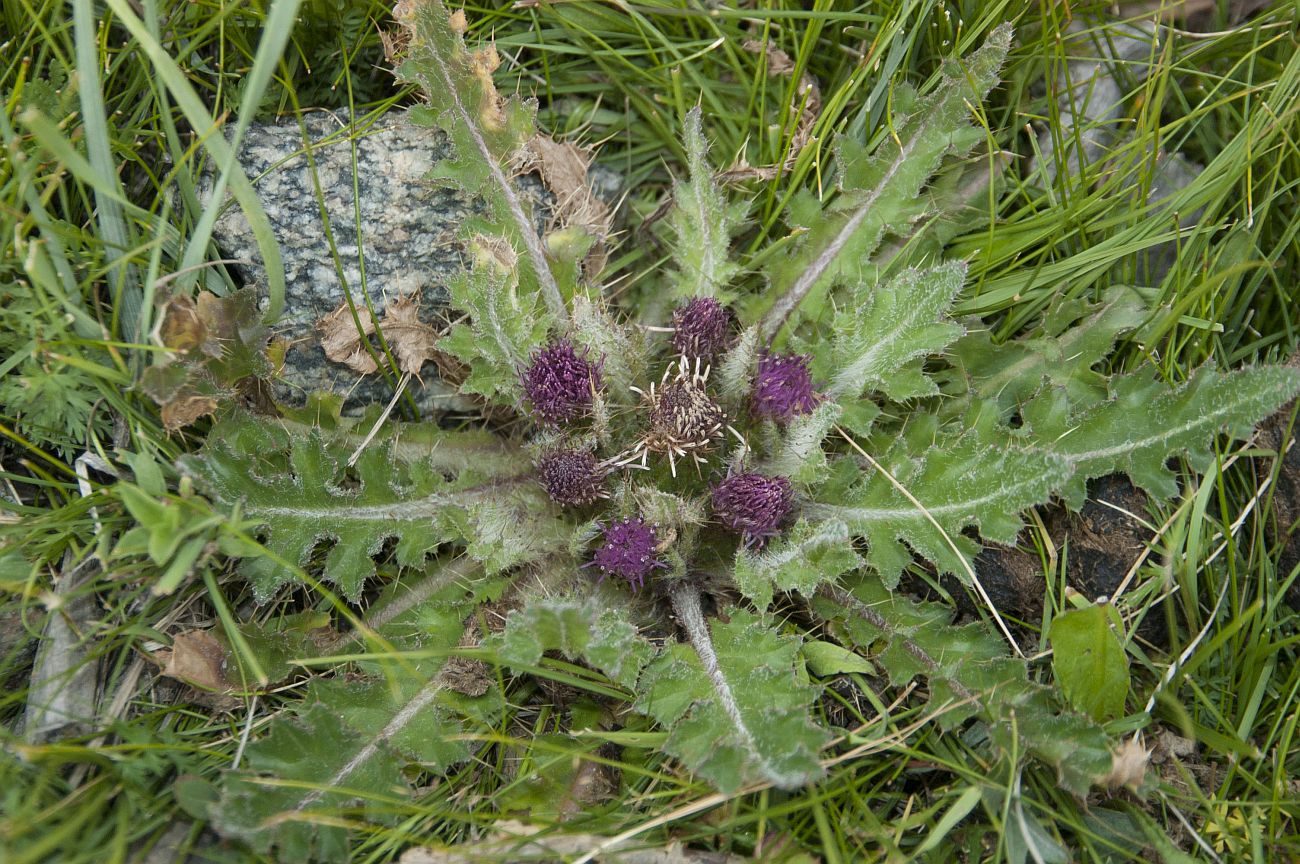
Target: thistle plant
669, 480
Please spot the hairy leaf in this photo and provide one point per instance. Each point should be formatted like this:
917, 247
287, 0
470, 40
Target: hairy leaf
810, 554
505, 324
959, 483
799, 455
487, 131
589, 630
1144, 423
881, 330
1072, 339
301, 491
735, 700
703, 221
348, 742
878, 191
968, 672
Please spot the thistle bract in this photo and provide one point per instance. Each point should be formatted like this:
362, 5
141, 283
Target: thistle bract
701, 328
783, 386
628, 551
572, 478
560, 383
753, 505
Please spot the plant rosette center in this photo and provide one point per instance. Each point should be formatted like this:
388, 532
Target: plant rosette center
677, 422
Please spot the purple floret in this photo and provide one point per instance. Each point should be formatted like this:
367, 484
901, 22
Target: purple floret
572, 478
783, 387
559, 382
628, 551
701, 328
753, 505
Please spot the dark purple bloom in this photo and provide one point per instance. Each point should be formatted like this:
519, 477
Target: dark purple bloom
753, 505
559, 383
783, 387
701, 328
628, 551
572, 478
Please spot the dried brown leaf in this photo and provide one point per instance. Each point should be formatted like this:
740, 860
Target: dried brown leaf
182, 328
412, 341
805, 106
198, 659
1129, 766
185, 408
344, 343
563, 167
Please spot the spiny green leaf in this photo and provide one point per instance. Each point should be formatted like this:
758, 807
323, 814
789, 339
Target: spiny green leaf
799, 455
735, 701
1072, 339
968, 672
878, 191
505, 324
1088, 659
959, 482
703, 221
299, 488
486, 131
1144, 423
588, 630
881, 330
351, 738
808, 555
734, 375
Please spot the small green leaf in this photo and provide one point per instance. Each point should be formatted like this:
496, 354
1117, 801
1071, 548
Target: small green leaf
810, 554
825, 659
1089, 662
703, 221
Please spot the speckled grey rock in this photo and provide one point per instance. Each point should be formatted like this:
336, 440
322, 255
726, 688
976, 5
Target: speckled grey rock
402, 227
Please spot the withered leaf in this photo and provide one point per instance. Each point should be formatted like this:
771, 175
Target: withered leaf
185, 408
563, 167
199, 660
342, 340
182, 329
411, 341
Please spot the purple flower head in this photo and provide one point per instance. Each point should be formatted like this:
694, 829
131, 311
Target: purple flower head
572, 478
628, 551
753, 505
559, 383
783, 387
701, 328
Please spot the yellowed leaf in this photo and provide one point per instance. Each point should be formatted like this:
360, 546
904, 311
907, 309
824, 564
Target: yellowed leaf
1129, 766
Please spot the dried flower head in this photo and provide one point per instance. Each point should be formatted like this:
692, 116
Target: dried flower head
684, 419
753, 505
628, 550
572, 478
701, 328
783, 386
560, 383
